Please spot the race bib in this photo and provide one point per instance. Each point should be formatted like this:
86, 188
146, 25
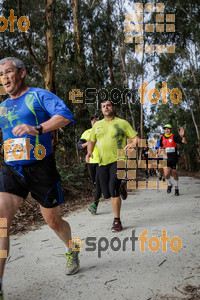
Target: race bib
170, 149
17, 149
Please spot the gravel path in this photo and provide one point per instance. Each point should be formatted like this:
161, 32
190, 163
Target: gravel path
35, 268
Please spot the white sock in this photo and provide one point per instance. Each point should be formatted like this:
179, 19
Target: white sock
68, 250
169, 181
176, 184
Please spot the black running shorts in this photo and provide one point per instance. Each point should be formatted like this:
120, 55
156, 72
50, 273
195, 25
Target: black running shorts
109, 183
173, 164
41, 179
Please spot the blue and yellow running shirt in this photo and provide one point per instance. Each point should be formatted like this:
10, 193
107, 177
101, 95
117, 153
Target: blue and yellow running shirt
110, 136
32, 108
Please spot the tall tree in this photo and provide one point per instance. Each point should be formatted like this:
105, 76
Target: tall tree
78, 42
47, 71
110, 52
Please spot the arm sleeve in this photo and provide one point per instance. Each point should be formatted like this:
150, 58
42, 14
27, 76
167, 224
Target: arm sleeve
93, 135
161, 144
80, 142
178, 139
53, 105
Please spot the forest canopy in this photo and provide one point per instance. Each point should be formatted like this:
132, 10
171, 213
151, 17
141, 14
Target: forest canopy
80, 45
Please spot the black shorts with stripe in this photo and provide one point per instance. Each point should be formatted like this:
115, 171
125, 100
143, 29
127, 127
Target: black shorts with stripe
41, 179
173, 164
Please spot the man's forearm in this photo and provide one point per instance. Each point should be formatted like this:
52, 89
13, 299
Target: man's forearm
133, 144
54, 123
135, 140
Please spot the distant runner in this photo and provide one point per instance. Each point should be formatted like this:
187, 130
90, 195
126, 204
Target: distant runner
159, 158
169, 142
145, 156
93, 163
110, 134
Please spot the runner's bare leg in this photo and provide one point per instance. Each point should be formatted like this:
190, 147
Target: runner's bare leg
116, 204
53, 218
9, 204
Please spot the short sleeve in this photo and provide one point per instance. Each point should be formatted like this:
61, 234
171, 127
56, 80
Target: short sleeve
86, 134
129, 131
92, 137
83, 136
54, 105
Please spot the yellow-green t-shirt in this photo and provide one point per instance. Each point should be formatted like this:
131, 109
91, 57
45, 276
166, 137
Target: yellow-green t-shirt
95, 159
110, 136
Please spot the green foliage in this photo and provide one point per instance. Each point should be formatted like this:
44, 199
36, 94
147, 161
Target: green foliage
99, 27
72, 175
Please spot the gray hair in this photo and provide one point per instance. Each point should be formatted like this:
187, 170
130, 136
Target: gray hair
16, 62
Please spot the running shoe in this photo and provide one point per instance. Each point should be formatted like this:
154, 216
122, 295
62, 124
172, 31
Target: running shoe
72, 262
176, 192
1, 295
163, 179
160, 178
93, 209
117, 226
169, 189
123, 191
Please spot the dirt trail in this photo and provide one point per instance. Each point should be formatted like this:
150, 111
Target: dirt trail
35, 269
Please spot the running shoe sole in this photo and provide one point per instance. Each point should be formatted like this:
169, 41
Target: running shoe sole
114, 230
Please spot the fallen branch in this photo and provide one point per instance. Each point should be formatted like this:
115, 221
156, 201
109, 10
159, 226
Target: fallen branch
15, 259
162, 262
110, 281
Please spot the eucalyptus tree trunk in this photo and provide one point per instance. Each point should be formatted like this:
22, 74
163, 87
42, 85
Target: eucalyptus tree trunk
78, 41
49, 14
47, 71
110, 55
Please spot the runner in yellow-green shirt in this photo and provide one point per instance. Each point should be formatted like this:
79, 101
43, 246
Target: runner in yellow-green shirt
93, 163
111, 134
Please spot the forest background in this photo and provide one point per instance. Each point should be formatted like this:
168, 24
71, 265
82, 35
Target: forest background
81, 45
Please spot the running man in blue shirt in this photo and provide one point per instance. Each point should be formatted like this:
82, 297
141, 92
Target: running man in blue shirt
27, 119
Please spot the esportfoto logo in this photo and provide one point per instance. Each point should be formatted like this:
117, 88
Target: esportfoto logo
140, 27
153, 244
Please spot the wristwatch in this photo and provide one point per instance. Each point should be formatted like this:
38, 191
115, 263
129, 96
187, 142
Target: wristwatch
38, 128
